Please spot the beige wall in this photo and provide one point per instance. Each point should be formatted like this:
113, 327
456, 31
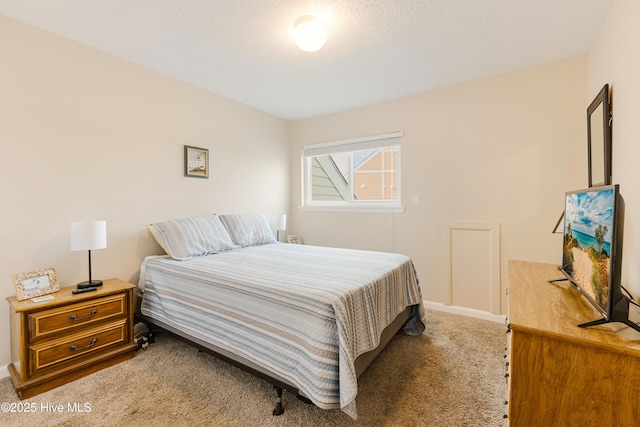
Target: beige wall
85, 135
503, 149
614, 60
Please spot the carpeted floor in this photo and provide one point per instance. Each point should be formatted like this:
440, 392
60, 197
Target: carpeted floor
449, 376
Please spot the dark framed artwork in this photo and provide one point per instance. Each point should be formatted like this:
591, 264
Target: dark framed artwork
196, 162
599, 139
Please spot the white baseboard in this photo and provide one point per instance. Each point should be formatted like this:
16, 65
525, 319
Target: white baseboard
470, 312
4, 371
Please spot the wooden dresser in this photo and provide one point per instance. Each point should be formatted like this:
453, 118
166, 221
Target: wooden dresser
558, 374
60, 340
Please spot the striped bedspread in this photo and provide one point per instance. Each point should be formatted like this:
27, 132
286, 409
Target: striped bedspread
303, 312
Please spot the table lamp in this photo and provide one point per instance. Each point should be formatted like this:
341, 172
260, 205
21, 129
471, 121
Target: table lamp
279, 223
87, 236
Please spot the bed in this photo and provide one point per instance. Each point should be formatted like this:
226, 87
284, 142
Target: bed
307, 319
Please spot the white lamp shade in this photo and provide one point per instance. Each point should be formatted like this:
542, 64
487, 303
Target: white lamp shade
279, 221
310, 33
88, 235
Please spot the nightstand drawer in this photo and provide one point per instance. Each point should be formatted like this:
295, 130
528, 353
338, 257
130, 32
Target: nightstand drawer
48, 322
55, 352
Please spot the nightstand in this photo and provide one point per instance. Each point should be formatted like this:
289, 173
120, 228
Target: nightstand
63, 339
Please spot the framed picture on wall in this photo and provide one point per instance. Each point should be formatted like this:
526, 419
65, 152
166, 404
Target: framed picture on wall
599, 139
196, 162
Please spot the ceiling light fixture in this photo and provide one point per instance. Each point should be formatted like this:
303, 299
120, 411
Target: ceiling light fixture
310, 33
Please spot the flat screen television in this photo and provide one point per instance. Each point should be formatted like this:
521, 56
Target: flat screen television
592, 250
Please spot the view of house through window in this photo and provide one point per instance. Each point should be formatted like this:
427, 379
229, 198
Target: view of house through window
364, 170
374, 174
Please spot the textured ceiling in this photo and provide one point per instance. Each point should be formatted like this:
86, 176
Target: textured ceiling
376, 49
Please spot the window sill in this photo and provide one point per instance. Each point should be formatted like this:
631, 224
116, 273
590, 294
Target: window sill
351, 208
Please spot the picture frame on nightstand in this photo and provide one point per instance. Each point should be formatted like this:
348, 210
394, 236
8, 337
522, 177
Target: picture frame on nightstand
294, 239
35, 283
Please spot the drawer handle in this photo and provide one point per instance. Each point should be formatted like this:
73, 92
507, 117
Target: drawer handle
93, 342
76, 319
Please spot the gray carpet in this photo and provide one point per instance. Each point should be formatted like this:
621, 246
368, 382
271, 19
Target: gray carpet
449, 376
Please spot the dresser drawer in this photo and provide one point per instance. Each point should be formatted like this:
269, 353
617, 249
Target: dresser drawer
53, 353
64, 319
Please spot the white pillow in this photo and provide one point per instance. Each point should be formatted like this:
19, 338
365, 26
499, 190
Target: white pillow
186, 238
248, 229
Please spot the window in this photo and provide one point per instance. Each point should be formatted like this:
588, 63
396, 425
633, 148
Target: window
360, 173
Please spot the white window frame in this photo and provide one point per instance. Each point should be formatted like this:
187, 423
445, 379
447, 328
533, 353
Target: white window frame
351, 145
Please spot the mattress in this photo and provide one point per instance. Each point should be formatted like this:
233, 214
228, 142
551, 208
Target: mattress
303, 312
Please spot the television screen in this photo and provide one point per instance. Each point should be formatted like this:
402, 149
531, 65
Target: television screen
589, 224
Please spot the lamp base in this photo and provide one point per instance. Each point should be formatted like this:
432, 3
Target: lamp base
91, 284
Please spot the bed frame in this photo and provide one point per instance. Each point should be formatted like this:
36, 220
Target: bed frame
279, 383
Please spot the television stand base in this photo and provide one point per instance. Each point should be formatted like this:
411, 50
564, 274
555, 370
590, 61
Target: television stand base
620, 315
603, 321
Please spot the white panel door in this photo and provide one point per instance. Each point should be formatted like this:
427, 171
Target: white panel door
472, 265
